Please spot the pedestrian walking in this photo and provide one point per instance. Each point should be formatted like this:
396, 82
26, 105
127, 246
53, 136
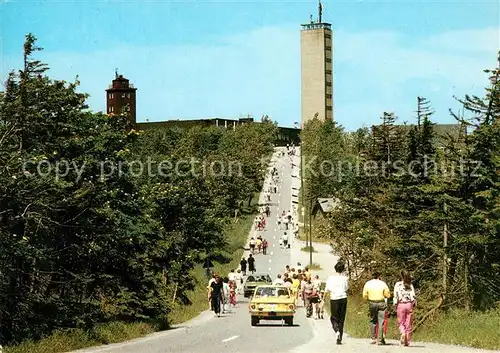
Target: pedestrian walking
337, 285
243, 266
252, 245
232, 293
209, 291
238, 280
265, 244
226, 306
285, 240
307, 292
405, 300
216, 294
251, 263
376, 291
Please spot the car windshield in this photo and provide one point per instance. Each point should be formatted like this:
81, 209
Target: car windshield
258, 278
271, 292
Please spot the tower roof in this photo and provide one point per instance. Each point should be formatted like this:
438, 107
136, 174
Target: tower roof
121, 83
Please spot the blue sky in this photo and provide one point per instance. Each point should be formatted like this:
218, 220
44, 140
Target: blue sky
193, 59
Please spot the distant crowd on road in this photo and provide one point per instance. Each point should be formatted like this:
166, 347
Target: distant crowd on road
304, 286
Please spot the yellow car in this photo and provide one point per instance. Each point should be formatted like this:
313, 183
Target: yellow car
271, 302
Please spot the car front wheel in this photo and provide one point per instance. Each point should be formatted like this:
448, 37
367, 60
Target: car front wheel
289, 321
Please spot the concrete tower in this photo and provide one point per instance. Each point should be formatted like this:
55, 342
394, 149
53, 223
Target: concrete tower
316, 69
120, 97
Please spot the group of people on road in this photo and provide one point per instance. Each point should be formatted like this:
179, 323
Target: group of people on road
304, 286
250, 264
377, 293
222, 292
287, 221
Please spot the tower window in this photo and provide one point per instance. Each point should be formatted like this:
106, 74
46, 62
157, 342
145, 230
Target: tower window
128, 95
110, 95
328, 72
123, 95
329, 107
328, 60
328, 48
328, 96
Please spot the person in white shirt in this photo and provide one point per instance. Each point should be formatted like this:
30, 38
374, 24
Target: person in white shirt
337, 285
226, 307
231, 275
278, 281
299, 266
285, 240
238, 279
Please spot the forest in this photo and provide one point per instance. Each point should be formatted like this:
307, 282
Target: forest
102, 223
417, 197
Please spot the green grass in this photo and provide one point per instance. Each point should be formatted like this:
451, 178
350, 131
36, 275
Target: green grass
308, 248
458, 327
68, 340
114, 332
473, 329
314, 266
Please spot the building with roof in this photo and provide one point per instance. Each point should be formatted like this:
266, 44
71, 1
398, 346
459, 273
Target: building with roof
121, 98
324, 206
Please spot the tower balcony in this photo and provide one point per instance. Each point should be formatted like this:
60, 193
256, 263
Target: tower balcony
316, 25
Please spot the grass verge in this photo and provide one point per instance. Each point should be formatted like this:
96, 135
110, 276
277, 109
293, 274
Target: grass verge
308, 248
314, 266
69, 340
457, 327
114, 332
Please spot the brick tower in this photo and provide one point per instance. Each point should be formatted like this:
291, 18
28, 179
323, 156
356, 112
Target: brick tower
120, 97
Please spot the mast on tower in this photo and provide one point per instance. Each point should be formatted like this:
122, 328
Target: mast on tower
320, 11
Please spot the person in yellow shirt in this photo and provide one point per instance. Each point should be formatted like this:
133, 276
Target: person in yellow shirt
295, 287
258, 242
307, 273
376, 291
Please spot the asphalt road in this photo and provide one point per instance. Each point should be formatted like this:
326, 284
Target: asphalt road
233, 332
